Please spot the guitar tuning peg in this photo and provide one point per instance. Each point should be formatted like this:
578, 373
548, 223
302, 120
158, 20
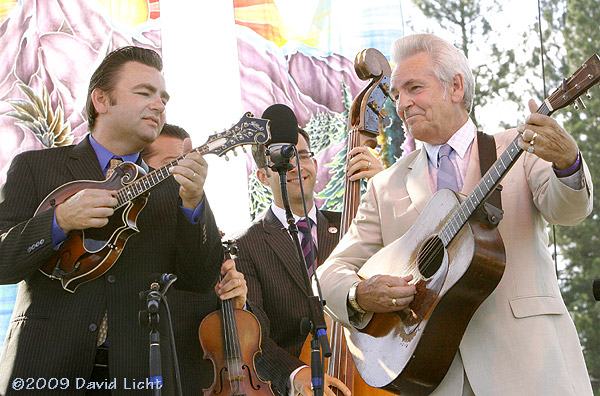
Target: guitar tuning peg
226, 157
234, 153
579, 102
244, 149
588, 95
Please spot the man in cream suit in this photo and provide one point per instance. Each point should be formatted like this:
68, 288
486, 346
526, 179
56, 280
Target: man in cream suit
521, 340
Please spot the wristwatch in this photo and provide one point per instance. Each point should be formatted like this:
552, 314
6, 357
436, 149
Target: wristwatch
352, 299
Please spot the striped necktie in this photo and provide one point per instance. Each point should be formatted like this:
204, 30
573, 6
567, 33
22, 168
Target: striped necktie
308, 248
103, 329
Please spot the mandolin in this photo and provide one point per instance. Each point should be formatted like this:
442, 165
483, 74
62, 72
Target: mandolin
231, 339
457, 259
89, 253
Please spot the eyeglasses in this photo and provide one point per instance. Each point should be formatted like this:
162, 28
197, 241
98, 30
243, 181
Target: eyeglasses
305, 156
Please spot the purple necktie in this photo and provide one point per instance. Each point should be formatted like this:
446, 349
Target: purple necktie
446, 177
310, 253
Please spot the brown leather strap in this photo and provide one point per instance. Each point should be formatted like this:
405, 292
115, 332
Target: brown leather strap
487, 156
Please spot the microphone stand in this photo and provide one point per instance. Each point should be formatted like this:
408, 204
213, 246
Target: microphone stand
151, 318
318, 326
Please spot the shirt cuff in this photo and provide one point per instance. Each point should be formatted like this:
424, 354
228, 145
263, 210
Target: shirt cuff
194, 216
291, 380
574, 181
58, 235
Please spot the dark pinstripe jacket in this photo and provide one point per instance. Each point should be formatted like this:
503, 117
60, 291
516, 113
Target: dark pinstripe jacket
277, 285
53, 332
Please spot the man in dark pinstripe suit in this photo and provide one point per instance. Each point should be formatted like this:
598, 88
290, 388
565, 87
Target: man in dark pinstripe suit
52, 342
276, 282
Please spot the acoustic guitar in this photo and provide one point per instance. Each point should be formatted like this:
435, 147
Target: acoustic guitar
89, 253
457, 260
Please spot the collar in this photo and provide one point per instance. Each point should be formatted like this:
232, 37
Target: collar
280, 214
104, 155
460, 142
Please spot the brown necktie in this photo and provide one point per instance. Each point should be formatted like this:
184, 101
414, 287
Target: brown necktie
103, 330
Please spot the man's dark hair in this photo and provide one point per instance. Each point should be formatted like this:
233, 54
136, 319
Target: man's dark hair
167, 130
175, 131
106, 75
258, 150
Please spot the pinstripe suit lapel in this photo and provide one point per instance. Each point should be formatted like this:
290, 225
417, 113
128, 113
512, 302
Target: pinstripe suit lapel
83, 162
326, 236
283, 246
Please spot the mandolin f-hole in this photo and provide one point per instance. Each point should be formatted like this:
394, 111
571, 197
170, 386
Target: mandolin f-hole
430, 256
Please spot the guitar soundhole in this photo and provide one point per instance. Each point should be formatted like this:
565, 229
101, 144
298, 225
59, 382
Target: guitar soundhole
430, 256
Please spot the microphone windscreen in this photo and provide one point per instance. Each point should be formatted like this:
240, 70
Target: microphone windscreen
596, 289
284, 125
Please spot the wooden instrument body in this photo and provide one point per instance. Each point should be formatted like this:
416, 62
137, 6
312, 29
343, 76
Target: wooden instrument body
89, 253
363, 127
243, 380
410, 351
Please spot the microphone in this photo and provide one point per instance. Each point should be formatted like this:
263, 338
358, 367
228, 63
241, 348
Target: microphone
284, 136
596, 289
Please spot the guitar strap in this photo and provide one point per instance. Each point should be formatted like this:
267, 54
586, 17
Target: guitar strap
487, 156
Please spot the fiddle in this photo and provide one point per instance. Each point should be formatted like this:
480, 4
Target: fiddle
231, 339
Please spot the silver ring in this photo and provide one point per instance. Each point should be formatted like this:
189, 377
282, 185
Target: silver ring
194, 175
530, 149
394, 302
369, 165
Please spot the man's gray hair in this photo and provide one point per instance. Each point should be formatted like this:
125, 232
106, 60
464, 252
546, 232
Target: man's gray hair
448, 61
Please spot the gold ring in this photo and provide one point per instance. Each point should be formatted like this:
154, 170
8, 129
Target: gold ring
532, 141
394, 302
530, 149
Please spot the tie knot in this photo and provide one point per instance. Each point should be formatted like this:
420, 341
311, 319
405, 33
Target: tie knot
113, 163
302, 224
445, 151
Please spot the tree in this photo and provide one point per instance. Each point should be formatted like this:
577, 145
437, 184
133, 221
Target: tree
579, 245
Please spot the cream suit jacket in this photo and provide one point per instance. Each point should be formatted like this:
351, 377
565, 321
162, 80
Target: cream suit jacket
521, 340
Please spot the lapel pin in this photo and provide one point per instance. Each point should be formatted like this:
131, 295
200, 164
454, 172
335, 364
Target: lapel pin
332, 230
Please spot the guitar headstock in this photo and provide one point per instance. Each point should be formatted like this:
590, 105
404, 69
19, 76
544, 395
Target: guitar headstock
572, 88
248, 130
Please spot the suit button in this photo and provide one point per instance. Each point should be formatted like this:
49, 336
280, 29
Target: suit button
111, 279
93, 327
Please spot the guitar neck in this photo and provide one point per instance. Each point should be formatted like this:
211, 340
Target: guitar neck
486, 186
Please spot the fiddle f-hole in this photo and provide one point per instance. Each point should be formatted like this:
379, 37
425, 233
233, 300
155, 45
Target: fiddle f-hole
430, 256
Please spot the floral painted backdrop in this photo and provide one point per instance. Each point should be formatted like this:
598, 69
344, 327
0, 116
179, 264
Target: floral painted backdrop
49, 49
303, 57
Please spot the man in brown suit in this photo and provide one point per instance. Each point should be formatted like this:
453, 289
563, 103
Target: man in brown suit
54, 336
276, 282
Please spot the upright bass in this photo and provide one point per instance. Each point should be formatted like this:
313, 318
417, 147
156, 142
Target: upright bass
363, 128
